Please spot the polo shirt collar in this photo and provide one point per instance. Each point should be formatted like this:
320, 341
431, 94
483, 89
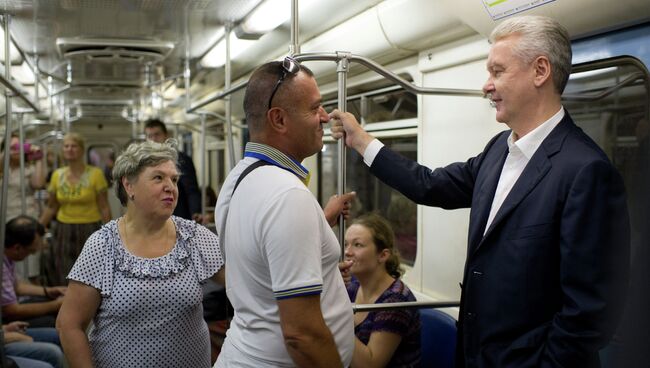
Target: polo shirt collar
277, 158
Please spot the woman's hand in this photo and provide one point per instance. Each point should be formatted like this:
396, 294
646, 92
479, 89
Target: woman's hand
344, 268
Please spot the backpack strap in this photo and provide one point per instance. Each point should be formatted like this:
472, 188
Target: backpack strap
247, 171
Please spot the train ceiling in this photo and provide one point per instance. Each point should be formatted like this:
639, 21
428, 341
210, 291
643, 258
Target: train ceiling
119, 50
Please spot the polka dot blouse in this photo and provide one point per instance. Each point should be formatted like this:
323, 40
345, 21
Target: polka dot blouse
151, 313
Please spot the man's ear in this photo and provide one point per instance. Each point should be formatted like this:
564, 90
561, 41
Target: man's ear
542, 68
276, 117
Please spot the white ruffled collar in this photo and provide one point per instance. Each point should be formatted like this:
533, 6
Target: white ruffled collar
161, 267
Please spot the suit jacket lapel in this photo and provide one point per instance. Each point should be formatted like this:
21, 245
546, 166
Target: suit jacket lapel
482, 204
538, 166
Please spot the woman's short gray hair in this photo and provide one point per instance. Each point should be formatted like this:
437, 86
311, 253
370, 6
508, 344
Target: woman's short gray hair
139, 156
539, 36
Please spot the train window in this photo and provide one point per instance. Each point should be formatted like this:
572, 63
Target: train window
379, 104
372, 194
609, 100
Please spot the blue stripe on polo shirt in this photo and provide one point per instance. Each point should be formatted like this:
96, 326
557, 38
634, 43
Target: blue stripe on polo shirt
301, 291
273, 156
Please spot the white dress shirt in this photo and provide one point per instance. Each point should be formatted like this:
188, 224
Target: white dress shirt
519, 153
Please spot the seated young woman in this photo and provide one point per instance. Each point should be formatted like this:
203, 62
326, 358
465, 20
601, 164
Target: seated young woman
383, 338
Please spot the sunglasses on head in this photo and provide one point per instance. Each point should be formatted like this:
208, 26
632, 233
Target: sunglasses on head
289, 66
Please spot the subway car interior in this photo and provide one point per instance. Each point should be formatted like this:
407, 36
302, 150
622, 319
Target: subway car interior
411, 72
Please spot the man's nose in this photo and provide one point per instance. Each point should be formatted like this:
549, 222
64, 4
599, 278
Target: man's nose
324, 116
488, 86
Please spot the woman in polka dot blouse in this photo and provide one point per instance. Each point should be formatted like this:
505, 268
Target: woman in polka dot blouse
138, 278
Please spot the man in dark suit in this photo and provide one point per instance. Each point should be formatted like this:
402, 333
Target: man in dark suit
548, 246
189, 196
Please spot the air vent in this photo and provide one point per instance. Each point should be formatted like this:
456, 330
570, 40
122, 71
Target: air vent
113, 50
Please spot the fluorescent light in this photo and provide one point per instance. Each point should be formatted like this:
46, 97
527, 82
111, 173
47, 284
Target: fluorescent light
269, 15
217, 56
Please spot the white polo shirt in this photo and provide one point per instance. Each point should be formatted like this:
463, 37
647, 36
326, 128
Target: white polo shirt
278, 244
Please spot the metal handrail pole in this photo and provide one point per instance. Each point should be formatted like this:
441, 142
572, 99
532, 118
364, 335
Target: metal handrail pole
608, 91
366, 94
228, 106
204, 176
218, 96
294, 47
186, 77
50, 97
6, 81
403, 305
33, 67
379, 69
37, 80
166, 79
372, 65
21, 150
342, 69
300, 57
60, 90
5, 181
213, 114
219, 117
317, 56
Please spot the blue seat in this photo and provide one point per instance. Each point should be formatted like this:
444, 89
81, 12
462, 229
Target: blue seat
438, 339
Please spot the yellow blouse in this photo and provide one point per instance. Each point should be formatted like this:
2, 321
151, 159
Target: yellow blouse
78, 202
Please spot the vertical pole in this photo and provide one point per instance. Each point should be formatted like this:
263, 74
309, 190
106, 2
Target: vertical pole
134, 127
37, 81
228, 107
342, 71
5, 182
294, 48
50, 91
204, 182
23, 182
66, 117
186, 72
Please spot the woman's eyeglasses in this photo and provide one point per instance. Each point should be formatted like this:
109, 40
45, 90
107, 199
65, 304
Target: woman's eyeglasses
289, 66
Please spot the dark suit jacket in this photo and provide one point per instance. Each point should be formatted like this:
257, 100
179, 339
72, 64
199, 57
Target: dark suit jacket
189, 196
544, 286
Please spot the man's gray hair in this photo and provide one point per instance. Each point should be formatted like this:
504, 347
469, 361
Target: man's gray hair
539, 36
139, 156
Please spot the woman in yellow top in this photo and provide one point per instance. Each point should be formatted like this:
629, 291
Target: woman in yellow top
78, 198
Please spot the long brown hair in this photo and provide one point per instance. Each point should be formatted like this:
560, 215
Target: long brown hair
384, 238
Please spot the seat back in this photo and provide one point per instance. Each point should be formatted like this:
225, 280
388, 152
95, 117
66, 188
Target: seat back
438, 338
